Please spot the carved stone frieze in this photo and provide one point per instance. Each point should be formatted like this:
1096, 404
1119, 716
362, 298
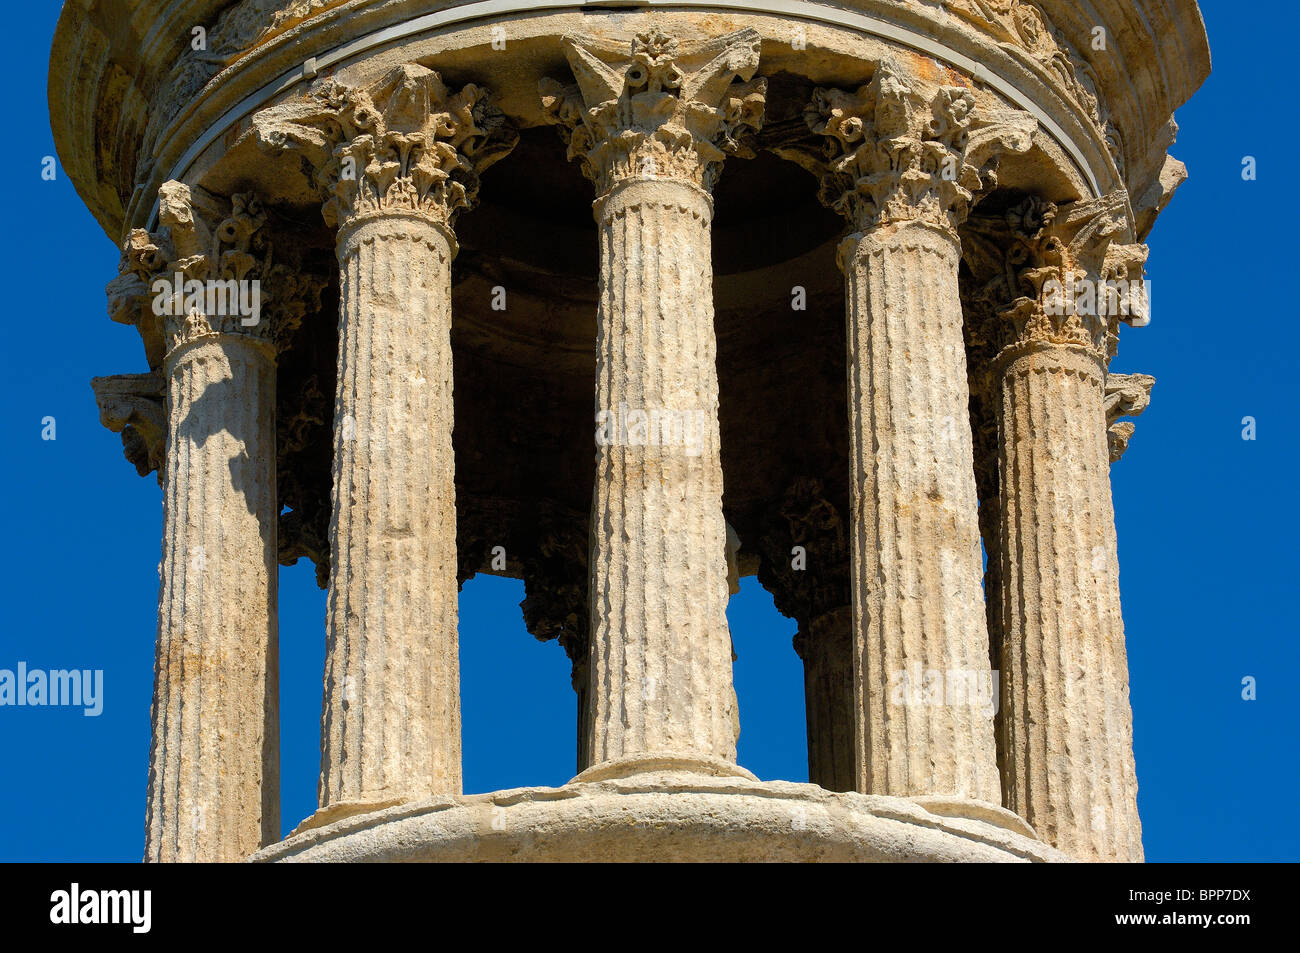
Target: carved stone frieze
1023, 27
236, 29
405, 419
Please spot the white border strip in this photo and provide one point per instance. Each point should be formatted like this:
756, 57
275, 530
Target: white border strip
799, 9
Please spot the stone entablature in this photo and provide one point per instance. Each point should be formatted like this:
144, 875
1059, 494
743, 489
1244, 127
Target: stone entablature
1049, 46
967, 181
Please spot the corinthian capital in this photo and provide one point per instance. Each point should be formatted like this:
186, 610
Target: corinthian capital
143, 257
555, 587
220, 254
208, 270
893, 153
810, 581
1061, 276
406, 143
212, 240
663, 113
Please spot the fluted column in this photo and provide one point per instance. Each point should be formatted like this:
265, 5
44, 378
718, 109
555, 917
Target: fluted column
984, 432
555, 604
904, 166
990, 523
399, 159
1066, 728
825, 645
659, 574
918, 598
214, 760
391, 728
660, 665
804, 564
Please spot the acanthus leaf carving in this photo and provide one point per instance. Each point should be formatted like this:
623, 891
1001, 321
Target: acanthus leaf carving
292, 294
555, 575
653, 114
222, 245
406, 143
893, 153
818, 585
1026, 260
144, 256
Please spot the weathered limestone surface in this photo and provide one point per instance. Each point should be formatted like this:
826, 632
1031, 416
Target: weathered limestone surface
398, 161
826, 649
1066, 725
391, 727
1127, 395
214, 763
861, 516
711, 819
1065, 674
904, 166
916, 541
133, 405
659, 579
214, 784
650, 135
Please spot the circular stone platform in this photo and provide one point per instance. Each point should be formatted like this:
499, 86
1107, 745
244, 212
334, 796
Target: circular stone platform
670, 816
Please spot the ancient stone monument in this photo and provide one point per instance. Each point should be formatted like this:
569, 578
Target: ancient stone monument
385, 257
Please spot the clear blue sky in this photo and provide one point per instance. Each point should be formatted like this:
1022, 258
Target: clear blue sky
1207, 521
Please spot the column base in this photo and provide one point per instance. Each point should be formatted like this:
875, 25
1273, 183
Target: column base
665, 763
946, 806
342, 809
668, 815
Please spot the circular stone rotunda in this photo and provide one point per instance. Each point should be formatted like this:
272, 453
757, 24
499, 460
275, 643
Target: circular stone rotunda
822, 268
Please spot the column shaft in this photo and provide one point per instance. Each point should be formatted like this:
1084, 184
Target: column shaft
917, 603
214, 762
827, 652
661, 651
990, 518
582, 688
1068, 731
391, 724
